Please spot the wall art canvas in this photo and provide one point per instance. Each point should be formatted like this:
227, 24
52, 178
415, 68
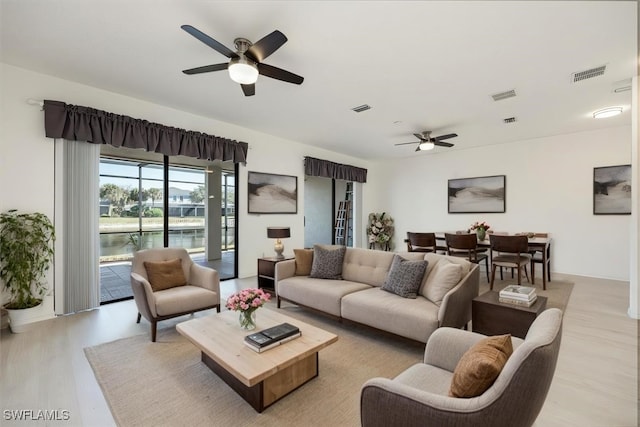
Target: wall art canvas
612, 190
272, 194
484, 194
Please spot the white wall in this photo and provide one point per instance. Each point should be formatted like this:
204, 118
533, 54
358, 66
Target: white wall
27, 157
549, 184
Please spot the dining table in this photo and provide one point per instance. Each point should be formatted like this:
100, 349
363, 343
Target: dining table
539, 244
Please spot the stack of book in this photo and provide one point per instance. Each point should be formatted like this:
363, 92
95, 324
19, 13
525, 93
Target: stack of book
272, 337
519, 295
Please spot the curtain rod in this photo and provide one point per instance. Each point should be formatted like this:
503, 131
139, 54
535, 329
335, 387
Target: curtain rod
35, 102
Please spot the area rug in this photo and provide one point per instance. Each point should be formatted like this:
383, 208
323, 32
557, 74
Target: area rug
166, 384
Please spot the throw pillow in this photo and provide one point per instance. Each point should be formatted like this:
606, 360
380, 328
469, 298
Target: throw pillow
304, 259
165, 274
327, 262
479, 367
444, 277
405, 277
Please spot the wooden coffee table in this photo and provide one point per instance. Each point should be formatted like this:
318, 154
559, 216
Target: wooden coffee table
260, 378
489, 316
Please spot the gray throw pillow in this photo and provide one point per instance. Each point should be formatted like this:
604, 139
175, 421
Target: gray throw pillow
405, 277
327, 262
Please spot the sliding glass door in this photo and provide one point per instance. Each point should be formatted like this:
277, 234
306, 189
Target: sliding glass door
200, 214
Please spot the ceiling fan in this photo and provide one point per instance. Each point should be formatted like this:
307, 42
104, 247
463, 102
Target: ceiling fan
428, 143
246, 62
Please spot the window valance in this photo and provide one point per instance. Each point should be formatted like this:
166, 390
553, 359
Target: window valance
79, 123
327, 169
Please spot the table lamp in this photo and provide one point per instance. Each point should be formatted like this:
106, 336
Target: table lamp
278, 233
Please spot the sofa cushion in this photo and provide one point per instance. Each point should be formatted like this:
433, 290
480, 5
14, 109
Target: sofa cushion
444, 277
320, 294
165, 274
304, 260
405, 277
366, 266
415, 319
479, 366
327, 262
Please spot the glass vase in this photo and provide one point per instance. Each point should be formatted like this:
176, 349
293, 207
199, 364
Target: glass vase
248, 320
481, 234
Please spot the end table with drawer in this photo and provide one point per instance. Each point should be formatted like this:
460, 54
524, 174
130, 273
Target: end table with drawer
489, 316
267, 273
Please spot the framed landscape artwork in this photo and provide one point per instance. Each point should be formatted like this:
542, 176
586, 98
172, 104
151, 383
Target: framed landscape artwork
272, 194
485, 194
612, 190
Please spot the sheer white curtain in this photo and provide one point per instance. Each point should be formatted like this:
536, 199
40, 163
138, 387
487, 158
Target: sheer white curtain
78, 211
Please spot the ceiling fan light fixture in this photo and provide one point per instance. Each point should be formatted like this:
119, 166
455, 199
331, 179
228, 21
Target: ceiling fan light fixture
607, 112
243, 71
425, 146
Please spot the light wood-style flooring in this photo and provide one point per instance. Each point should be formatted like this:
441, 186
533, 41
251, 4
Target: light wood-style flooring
596, 380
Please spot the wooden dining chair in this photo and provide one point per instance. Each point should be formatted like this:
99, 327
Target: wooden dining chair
509, 252
466, 246
421, 242
537, 257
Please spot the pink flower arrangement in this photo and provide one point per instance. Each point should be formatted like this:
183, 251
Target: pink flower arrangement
247, 300
479, 226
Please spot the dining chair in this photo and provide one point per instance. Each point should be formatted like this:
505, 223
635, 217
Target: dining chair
466, 246
421, 242
509, 252
537, 257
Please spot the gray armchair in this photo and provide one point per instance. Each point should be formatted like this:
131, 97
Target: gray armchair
201, 292
419, 395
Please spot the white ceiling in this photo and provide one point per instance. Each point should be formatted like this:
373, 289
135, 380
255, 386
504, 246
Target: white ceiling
420, 65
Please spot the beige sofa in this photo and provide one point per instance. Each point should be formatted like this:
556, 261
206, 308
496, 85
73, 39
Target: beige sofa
358, 296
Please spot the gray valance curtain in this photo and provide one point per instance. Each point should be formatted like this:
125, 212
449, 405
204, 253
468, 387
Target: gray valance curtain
76, 123
327, 169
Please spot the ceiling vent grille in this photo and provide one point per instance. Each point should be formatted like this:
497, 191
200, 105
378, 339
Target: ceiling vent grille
504, 95
361, 108
510, 120
588, 74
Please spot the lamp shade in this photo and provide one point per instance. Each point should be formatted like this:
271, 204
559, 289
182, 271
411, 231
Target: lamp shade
278, 232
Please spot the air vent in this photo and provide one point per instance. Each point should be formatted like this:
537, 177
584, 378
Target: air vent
504, 95
361, 108
587, 74
510, 120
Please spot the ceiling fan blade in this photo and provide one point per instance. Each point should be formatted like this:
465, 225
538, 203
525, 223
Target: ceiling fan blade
249, 90
279, 74
420, 137
206, 69
264, 47
447, 136
407, 143
443, 144
214, 44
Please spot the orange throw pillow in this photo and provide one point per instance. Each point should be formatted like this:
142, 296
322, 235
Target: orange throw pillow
479, 367
304, 260
165, 274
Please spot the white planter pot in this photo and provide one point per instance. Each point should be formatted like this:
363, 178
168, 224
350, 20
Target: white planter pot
20, 319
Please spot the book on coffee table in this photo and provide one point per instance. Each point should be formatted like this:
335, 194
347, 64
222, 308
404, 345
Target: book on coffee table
272, 337
518, 292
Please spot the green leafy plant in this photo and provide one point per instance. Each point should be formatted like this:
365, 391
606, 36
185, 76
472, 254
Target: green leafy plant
26, 253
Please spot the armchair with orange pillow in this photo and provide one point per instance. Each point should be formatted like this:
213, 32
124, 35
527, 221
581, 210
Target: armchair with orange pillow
167, 283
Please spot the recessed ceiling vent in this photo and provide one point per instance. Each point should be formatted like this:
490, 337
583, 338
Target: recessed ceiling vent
588, 74
361, 108
510, 120
504, 95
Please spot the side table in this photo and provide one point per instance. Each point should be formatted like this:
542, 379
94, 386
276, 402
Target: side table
489, 316
267, 273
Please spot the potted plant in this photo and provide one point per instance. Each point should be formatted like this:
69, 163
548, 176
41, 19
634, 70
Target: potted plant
26, 253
